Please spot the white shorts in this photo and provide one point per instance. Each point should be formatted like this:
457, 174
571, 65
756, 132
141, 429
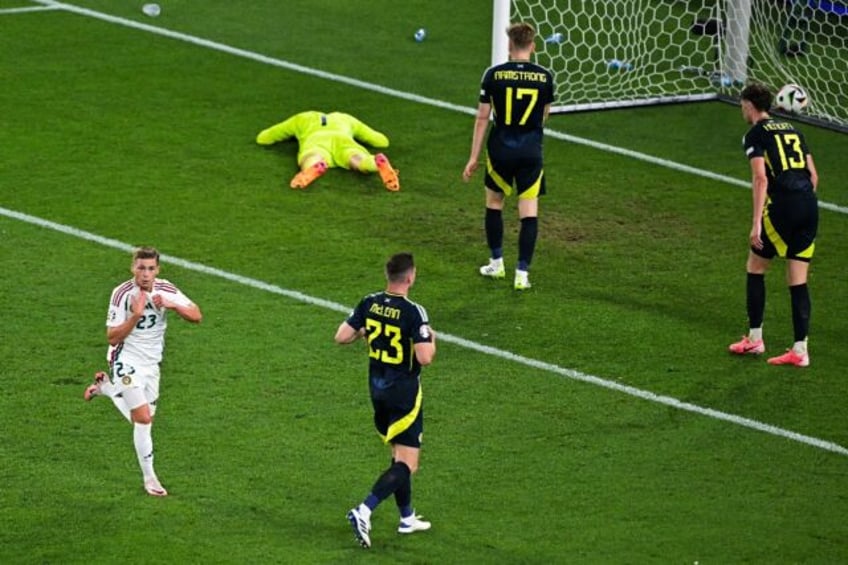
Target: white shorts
137, 384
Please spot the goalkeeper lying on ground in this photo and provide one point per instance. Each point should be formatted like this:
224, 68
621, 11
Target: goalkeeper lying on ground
330, 140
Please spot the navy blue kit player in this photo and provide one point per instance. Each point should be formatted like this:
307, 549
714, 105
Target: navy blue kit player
784, 222
400, 341
518, 94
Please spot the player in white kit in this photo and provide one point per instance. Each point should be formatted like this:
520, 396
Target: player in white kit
135, 328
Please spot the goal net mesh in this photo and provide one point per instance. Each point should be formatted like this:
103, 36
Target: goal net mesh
612, 53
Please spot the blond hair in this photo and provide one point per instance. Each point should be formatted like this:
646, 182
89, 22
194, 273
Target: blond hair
521, 35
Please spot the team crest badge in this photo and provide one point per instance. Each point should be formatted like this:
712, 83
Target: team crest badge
127, 380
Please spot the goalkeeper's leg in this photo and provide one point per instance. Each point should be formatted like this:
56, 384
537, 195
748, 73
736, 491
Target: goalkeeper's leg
364, 162
312, 166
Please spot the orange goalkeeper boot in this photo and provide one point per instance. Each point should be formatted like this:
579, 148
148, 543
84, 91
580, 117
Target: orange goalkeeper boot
307, 176
387, 173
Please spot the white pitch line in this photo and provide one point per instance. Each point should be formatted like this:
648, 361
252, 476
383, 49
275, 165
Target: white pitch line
467, 344
27, 9
399, 94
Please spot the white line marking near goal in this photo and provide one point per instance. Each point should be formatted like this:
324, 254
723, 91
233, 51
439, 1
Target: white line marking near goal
472, 345
398, 93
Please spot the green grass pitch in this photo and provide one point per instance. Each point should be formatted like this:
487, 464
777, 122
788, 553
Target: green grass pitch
263, 437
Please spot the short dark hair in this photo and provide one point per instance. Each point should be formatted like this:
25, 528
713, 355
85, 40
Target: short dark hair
398, 266
146, 253
759, 95
521, 34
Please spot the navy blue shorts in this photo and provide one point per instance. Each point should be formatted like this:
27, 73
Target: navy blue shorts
526, 174
398, 412
789, 229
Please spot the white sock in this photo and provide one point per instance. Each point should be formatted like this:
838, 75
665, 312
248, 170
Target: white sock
800, 347
143, 441
755, 334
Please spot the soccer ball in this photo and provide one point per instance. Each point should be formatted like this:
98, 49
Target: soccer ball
791, 98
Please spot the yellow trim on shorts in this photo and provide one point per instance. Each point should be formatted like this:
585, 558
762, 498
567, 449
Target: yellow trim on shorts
780, 245
502, 184
807, 253
773, 236
403, 424
530, 193
533, 191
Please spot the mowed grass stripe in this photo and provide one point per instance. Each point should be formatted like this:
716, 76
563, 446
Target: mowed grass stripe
456, 340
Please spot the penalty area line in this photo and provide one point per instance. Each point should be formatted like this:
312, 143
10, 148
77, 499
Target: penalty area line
456, 340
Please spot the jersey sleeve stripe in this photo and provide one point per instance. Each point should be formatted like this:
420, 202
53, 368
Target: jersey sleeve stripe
165, 286
421, 312
119, 293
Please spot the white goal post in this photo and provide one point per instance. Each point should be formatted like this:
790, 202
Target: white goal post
619, 53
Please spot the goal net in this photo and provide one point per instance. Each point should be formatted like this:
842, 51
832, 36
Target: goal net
616, 53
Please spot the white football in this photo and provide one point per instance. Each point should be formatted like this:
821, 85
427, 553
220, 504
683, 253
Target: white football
791, 98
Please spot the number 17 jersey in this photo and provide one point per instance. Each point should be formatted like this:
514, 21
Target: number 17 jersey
518, 91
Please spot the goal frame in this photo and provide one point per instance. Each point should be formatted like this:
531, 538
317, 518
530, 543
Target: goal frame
731, 74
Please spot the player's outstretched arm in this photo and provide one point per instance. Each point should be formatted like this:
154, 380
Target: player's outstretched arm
366, 134
278, 132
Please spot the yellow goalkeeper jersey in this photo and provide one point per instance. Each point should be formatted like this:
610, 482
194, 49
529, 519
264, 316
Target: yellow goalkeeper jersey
333, 135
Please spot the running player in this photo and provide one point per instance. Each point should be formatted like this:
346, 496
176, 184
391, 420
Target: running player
135, 328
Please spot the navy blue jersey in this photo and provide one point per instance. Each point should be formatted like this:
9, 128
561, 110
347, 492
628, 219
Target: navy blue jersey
393, 325
518, 91
785, 152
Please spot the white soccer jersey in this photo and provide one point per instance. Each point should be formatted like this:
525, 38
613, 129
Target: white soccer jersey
144, 345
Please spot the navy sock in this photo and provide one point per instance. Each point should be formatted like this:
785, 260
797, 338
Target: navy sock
403, 498
371, 501
494, 232
394, 478
756, 291
801, 306
527, 242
